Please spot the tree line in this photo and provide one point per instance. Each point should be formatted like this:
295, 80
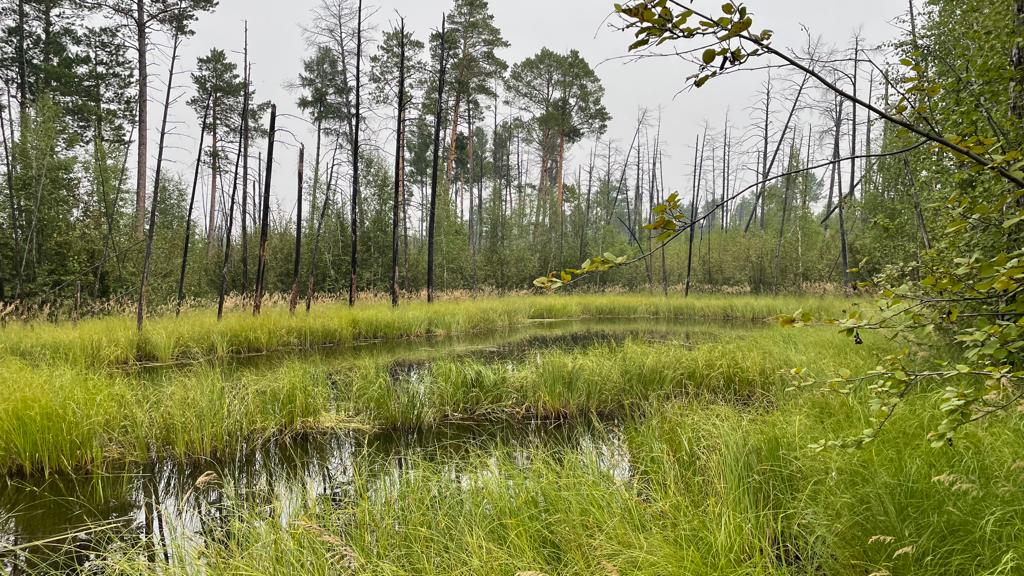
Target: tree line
434, 164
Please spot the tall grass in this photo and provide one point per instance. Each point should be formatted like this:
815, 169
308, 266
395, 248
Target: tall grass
62, 419
699, 490
746, 366
114, 342
56, 419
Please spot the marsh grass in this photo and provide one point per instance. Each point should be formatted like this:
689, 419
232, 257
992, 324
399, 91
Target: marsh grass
697, 462
697, 489
105, 343
747, 367
60, 419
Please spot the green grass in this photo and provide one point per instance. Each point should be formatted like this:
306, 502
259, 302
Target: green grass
64, 419
695, 489
114, 342
747, 366
702, 463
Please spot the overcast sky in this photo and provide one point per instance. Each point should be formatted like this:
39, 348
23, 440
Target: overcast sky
277, 49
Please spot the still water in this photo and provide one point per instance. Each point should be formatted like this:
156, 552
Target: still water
61, 523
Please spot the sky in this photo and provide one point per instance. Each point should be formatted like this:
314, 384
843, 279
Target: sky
277, 48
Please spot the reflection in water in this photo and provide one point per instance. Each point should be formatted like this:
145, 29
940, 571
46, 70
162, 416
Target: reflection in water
61, 523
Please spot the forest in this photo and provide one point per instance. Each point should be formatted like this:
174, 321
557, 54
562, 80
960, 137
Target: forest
451, 319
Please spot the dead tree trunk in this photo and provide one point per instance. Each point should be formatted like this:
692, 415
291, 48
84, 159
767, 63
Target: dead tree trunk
191, 207
245, 166
438, 116
698, 169
261, 269
664, 256
230, 228
766, 166
853, 124
293, 302
354, 260
311, 288
211, 225
399, 169
140, 311
786, 188
586, 212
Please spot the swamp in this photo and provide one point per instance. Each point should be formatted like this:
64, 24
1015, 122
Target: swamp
511, 288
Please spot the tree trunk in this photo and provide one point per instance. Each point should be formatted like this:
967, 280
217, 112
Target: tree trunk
245, 165
452, 146
638, 204
922, 226
764, 152
141, 308
786, 187
297, 262
586, 212
698, 168
324, 206
354, 260
229, 228
399, 176
261, 269
664, 256
9, 169
23, 59
143, 108
853, 124
438, 115
837, 181
316, 176
766, 167
211, 226
191, 207
474, 221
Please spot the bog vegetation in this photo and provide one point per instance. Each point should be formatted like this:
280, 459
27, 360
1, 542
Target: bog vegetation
807, 361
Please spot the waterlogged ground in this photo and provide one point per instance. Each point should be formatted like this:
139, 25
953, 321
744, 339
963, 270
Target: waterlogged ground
63, 522
586, 435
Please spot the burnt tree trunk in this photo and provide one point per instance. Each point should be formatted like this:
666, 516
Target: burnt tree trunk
261, 269
438, 116
399, 168
293, 302
354, 260
245, 166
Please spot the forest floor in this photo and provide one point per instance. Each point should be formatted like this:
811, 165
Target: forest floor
604, 434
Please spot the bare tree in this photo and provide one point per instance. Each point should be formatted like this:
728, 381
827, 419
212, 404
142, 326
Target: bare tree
191, 207
141, 307
297, 262
438, 117
352, 288
261, 270
399, 165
